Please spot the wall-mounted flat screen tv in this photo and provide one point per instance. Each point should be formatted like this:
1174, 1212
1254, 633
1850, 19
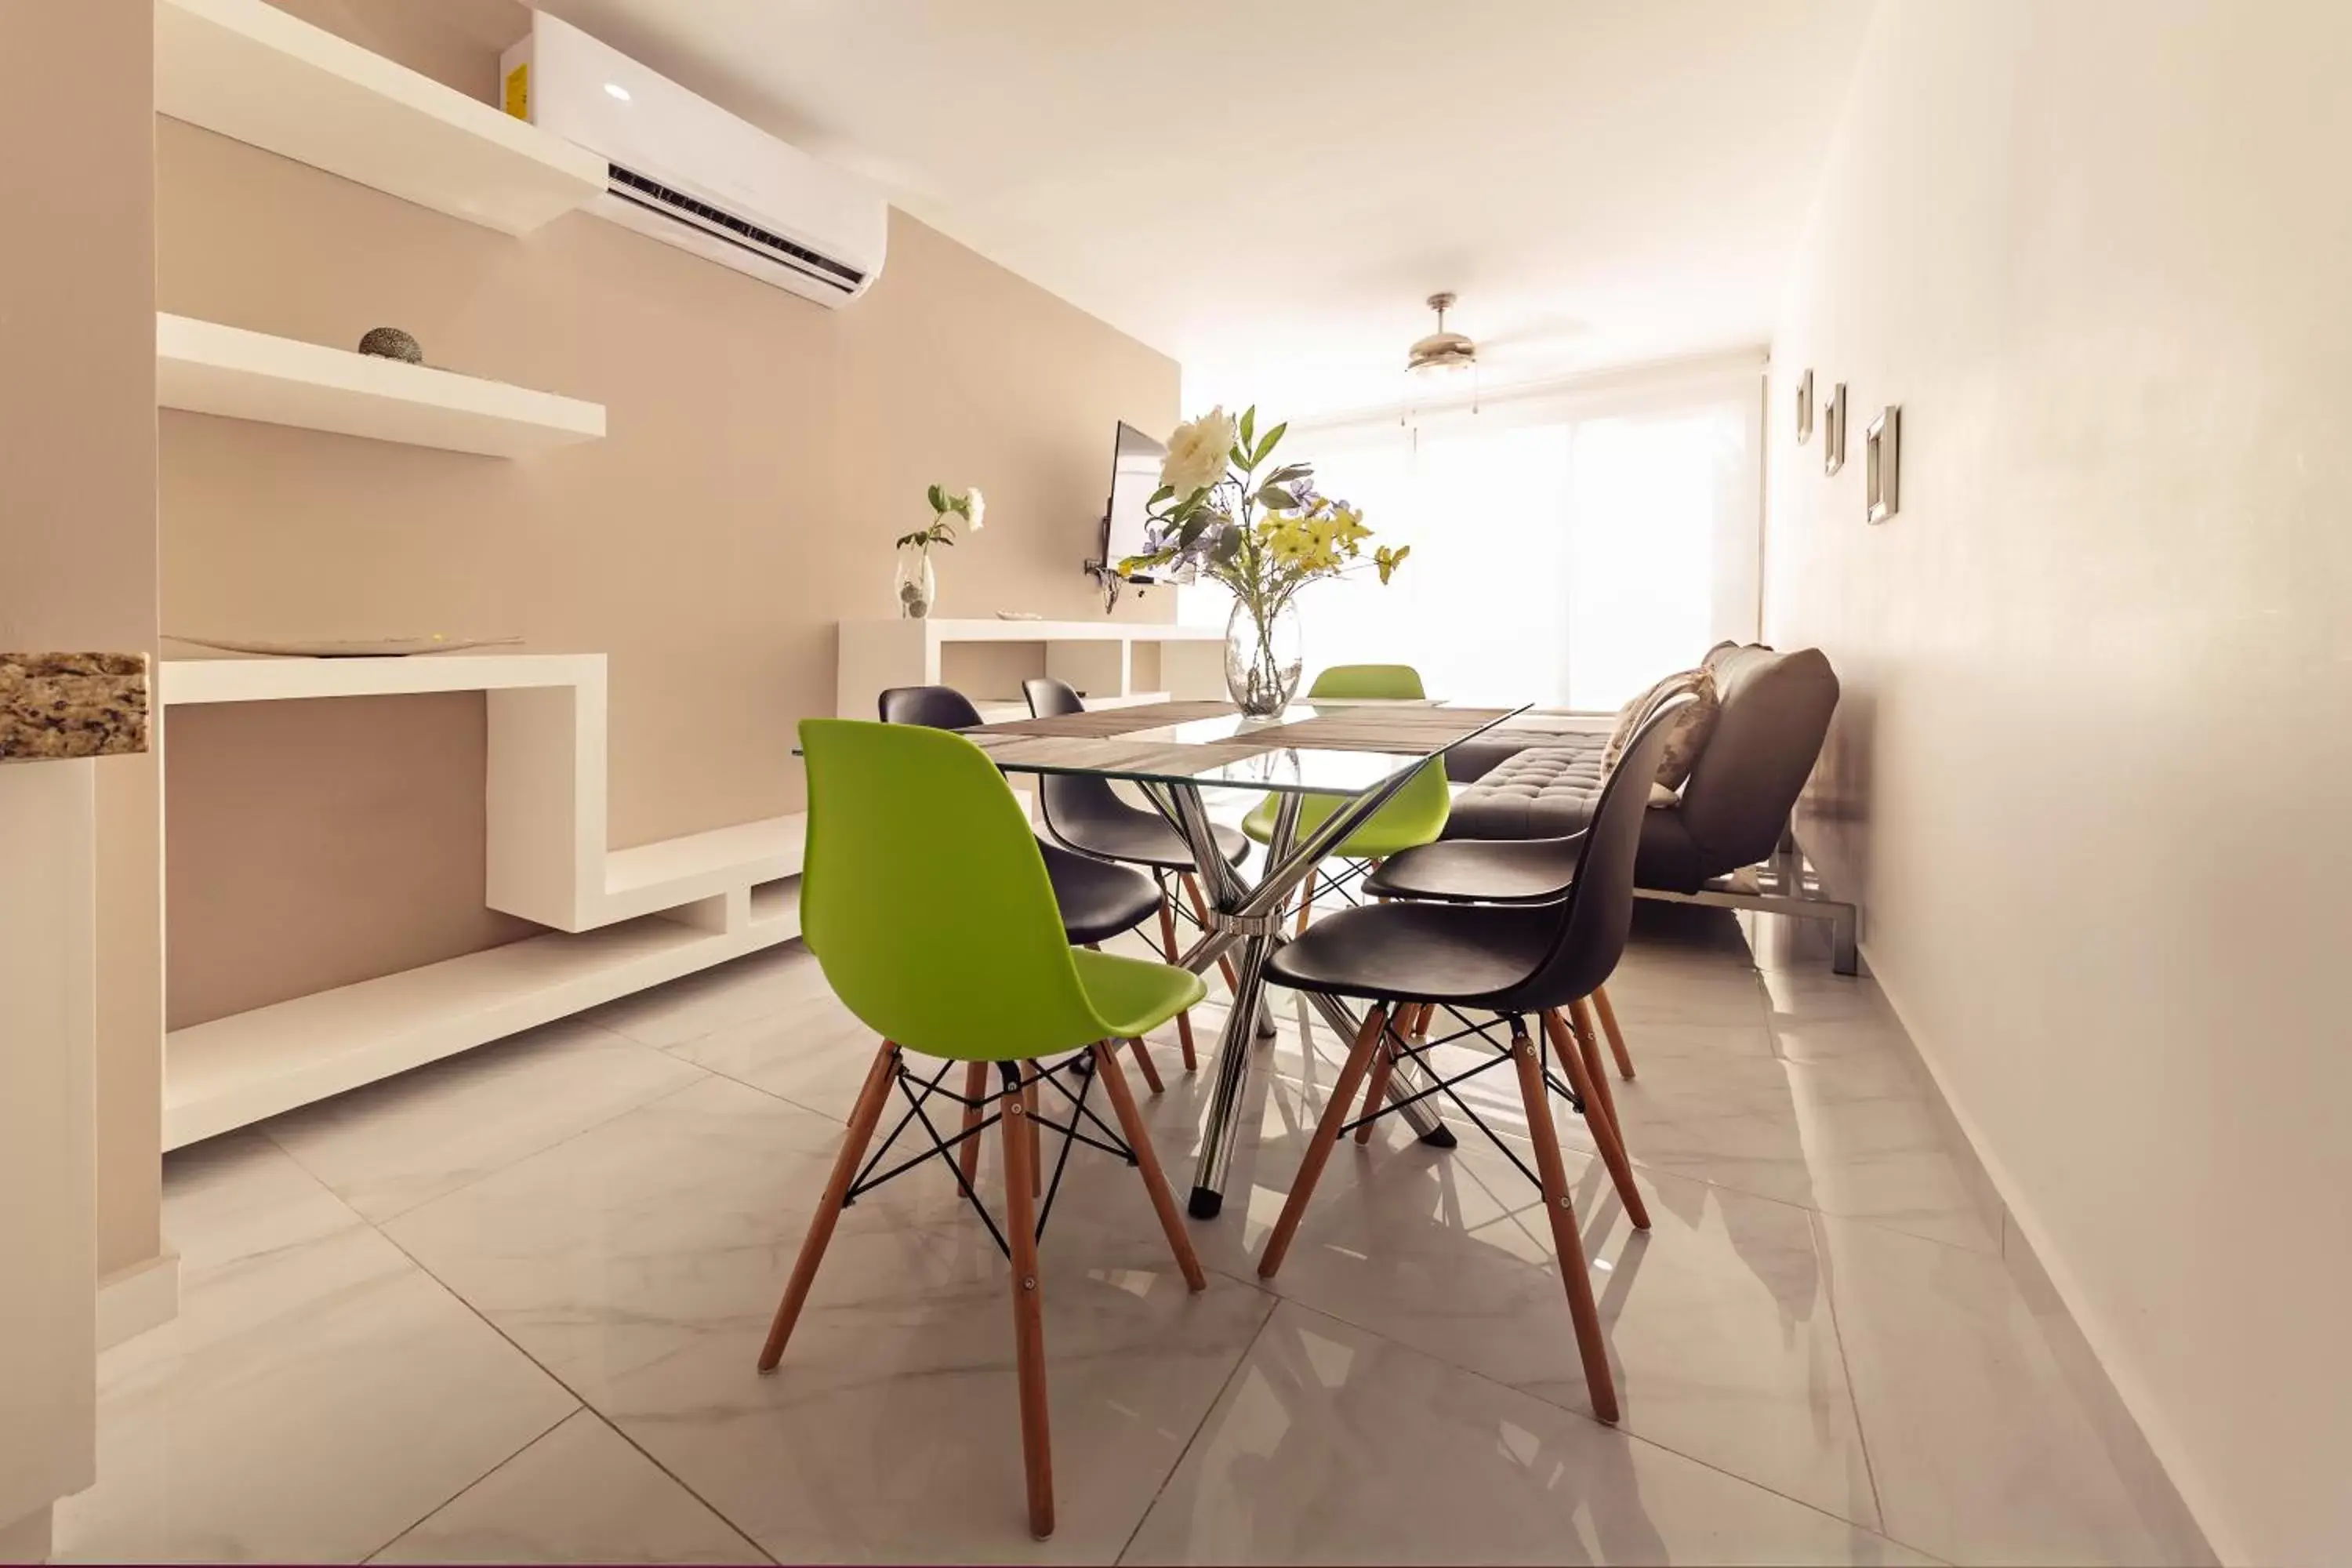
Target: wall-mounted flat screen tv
1134, 475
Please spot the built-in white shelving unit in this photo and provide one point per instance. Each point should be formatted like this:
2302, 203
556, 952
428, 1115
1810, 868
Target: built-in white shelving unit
206, 367
237, 1070
1113, 663
624, 920
250, 71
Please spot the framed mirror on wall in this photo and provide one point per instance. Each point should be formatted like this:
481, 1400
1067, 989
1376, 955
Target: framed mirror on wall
1882, 451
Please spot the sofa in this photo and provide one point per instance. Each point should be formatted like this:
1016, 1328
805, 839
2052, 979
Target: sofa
1538, 779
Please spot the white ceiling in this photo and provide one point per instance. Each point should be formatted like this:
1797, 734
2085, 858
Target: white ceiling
1266, 189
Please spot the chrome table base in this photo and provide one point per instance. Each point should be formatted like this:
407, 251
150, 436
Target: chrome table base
1244, 921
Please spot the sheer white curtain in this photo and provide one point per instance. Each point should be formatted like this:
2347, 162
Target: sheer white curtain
1567, 549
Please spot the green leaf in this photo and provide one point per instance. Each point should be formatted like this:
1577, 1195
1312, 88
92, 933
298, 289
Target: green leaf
1277, 499
1289, 473
939, 499
1239, 458
1249, 422
1266, 445
1163, 493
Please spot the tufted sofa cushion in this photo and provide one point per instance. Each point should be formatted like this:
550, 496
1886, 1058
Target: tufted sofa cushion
1549, 791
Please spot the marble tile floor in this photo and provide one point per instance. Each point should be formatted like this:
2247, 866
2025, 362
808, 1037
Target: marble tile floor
505, 1308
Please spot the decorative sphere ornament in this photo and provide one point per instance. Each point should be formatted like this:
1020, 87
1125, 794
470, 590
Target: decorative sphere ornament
390, 343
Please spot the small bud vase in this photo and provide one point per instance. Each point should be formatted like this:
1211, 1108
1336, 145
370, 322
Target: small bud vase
917, 585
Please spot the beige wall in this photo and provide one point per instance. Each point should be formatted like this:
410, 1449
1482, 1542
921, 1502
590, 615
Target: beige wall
78, 491
764, 452
2089, 775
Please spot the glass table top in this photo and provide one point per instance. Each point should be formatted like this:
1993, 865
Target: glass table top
1323, 748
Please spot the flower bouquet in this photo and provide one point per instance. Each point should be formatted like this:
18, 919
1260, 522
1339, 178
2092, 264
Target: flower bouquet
1224, 509
917, 584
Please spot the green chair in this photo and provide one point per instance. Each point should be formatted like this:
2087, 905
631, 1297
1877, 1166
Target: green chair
1414, 817
925, 898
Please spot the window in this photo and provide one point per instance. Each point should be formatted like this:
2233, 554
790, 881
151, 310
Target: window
1566, 551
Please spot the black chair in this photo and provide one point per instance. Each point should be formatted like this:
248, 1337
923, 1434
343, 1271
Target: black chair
1512, 962
1508, 871
1098, 900
1084, 813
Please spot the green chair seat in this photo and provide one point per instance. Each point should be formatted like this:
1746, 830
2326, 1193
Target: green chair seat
1414, 817
1135, 996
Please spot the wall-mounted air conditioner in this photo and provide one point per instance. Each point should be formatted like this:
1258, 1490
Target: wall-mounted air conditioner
688, 172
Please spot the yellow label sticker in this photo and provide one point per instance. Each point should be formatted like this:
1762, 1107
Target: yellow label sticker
519, 91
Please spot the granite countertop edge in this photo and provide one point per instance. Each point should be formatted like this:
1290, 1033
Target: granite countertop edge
59, 707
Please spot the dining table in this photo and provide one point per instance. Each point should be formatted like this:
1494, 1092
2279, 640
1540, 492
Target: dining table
1358, 754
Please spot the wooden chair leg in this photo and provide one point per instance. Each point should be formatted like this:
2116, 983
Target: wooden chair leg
1201, 914
1558, 1207
1029, 1125
1147, 1159
1028, 1319
1327, 1133
1583, 1069
975, 1090
1616, 1035
1306, 899
1421, 1022
1183, 1019
1588, 1041
1143, 1060
1376, 1082
869, 1111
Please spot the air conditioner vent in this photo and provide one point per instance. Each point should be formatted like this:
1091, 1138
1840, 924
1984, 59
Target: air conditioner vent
655, 197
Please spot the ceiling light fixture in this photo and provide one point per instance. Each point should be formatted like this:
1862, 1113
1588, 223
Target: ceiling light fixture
617, 90
1442, 354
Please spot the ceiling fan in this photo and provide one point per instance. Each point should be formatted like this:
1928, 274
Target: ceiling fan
1440, 353
1443, 355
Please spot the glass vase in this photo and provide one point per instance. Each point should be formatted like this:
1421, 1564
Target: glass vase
917, 586
1263, 658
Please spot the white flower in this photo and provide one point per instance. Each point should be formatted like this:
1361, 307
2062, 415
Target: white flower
974, 506
1197, 452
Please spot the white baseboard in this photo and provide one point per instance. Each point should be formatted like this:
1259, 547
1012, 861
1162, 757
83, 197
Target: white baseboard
134, 1300
2140, 1454
2139, 1462
27, 1540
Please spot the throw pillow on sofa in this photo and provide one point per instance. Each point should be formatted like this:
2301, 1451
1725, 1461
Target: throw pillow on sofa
1689, 729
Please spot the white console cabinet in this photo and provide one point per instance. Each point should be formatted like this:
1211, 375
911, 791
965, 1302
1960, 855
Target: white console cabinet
1109, 662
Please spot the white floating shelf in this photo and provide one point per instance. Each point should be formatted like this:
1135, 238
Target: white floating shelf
237, 1070
546, 827
250, 71
623, 919
206, 367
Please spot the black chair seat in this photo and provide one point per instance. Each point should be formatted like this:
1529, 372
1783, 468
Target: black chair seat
1466, 954
1480, 871
1099, 900
1139, 837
